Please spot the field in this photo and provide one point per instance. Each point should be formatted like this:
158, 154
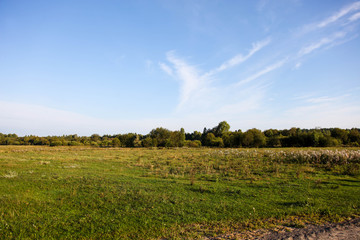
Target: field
129, 193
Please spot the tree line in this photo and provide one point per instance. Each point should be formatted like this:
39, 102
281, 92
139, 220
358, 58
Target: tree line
218, 136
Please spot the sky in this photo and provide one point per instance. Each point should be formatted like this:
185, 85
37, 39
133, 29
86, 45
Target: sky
108, 67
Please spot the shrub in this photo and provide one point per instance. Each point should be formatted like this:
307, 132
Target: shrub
55, 143
74, 143
193, 144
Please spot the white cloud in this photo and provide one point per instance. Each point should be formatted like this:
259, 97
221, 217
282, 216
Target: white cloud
335, 17
199, 95
324, 41
240, 58
203, 98
342, 41
196, 91
324, 99
189, 77
354, 17
341, 20
166, 69
262, 72
297, 65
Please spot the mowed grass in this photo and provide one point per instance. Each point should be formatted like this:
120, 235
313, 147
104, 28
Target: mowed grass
116, 193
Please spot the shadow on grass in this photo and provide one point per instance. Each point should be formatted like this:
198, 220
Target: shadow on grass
295, 204
347, 182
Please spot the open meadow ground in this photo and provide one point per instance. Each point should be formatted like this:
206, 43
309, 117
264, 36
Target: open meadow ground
123, 193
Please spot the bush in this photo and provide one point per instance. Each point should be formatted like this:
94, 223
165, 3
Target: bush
352, 169
193, 144
148, 142
116, 142
74, 143
55, 143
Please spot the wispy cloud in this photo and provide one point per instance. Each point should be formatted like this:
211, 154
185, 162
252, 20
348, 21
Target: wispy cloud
189, 76
297, 65
325, 99
335, 17
202, 90
324, 41
341, 41
324, 30
166, 68
354, 17
263, 72
194, 85
240, 58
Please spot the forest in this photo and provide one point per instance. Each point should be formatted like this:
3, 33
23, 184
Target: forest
218, 136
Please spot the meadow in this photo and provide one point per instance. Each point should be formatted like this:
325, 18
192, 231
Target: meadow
176, 193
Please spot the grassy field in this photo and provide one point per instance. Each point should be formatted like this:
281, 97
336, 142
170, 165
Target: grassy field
112, 193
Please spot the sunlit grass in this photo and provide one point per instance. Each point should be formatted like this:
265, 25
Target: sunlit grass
95, 193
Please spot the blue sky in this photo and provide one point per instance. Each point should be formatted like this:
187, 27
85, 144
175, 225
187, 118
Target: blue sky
112, 67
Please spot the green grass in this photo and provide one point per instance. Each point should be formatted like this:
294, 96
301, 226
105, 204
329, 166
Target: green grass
94, 193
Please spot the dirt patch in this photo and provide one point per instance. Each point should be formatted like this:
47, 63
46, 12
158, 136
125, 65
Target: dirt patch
349, 230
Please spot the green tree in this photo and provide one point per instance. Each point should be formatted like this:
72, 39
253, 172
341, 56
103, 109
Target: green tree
273, 141
222, 128
213, 141
193, 136
182, 134
328, 141
148, 142
137, 141
95, 137
161, 135
254, 138
232, 139
176, 139
354, 136
340, 134
116, 142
